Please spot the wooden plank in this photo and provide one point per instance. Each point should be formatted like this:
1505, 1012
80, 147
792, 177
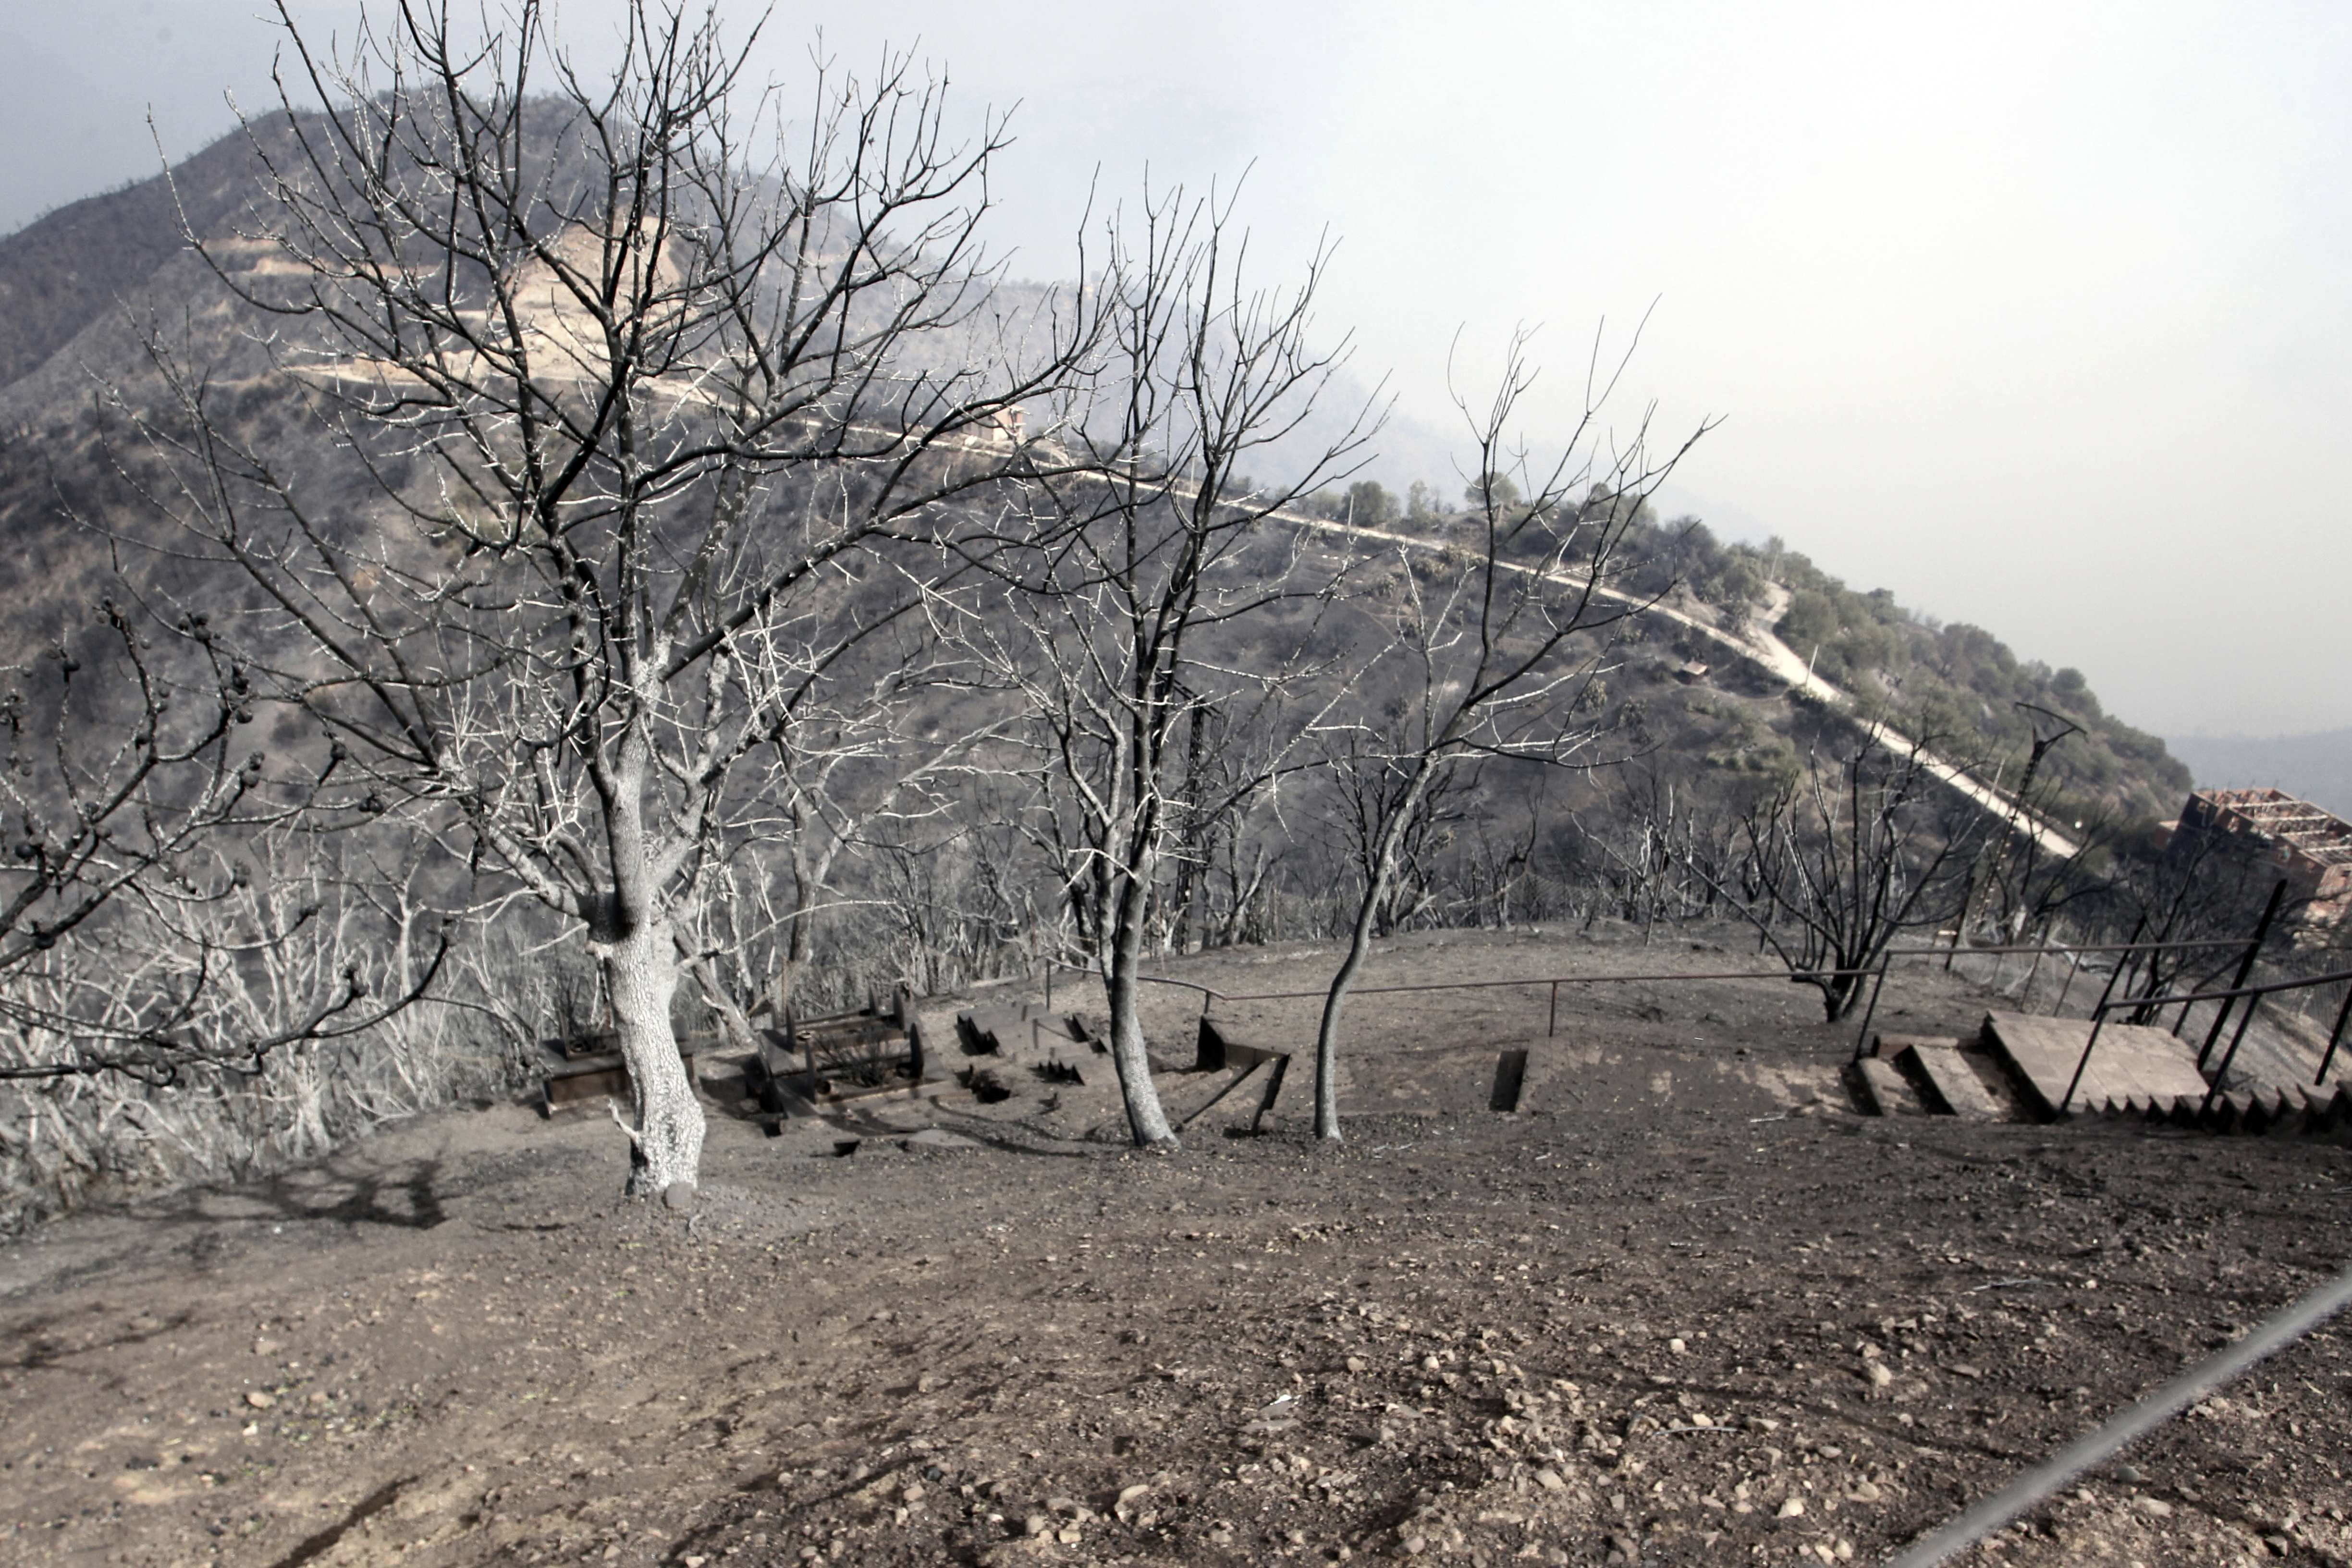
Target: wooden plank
1219, 1050
1510, 1078
1281, 1070
595, 1078
1256, 1073
1893, 1045
861, 1031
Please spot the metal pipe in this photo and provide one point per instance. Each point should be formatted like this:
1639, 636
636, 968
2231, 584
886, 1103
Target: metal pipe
2083, 1063
2074, 967
2265, 989
2098, 1021
2245, 967
2229, 1057
2087, 946
2335, 1036
2094, 1448
1872, 1011
1960, 925
1551, 1027
1529, 979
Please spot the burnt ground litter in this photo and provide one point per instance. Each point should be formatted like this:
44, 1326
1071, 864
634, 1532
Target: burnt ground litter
1685, 1305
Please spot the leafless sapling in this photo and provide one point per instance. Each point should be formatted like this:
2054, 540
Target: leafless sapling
1497, 637
1170, 584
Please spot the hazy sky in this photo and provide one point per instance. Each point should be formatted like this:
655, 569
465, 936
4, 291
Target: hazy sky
2039, 315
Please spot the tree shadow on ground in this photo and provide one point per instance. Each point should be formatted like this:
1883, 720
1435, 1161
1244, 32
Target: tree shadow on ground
407, 1195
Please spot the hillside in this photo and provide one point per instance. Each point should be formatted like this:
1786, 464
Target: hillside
1685, 1313
1791, 655
70, 282
1957, 686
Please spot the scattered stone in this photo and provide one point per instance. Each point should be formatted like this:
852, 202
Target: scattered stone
1549, 1480
2130, 1474
1962, 1369
678, 1196
2154, 1507
1355, 1363
1676, 1346
1794, 1508
1880, 1375
258, 1399
1866, 1491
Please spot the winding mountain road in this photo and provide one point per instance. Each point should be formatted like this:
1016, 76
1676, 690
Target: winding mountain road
1761, 647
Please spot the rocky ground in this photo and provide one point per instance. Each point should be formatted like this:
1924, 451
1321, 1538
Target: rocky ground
1685, 1308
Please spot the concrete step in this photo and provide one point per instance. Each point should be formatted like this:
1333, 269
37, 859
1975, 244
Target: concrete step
1948, 1083
1881, 1090
2133, 1071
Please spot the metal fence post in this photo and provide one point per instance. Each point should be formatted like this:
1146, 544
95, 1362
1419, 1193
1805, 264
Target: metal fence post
2229, 1057
2098, 1021
2335, 1037
1885, 958
2245, 968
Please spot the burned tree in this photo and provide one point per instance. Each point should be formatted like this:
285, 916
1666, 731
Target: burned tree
644, 389
123, 895
1832, 868
1499, 640
1167, 587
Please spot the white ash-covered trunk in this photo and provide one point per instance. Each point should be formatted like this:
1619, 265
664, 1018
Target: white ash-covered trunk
641, 973
1147, 1121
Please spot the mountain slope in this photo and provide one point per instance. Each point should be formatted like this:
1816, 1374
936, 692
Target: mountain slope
73, 284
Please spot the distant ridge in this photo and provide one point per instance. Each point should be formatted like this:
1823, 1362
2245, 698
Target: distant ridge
78, 285
2317, 768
